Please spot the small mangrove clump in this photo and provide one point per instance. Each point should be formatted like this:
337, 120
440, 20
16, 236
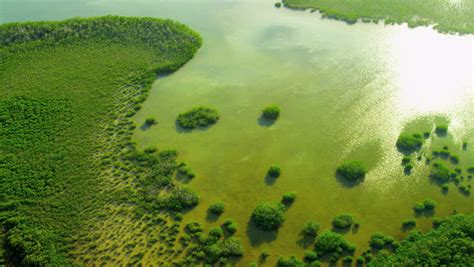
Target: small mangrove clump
409, 142
441, 129
269, 216
343, 221
271, 112
288, 197
310, 229
230, 226
352, 170
274, 171
150, 121
197, 117
217, 208
278, 4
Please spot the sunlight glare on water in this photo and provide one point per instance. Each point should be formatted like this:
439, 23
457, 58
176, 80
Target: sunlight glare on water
434, 72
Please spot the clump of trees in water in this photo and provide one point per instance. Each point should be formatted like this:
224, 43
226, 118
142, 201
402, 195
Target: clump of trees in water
353, 171
410, 142
343, 221
217, 208
269, 216
197, 117
274, 171
271, 112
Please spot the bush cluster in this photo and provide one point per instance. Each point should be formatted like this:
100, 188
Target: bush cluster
197, 117
352, 170
269, 216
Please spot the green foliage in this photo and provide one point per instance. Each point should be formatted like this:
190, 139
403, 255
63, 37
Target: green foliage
217, 208
197, 117
310, 229
271, 112
185, 171
409, 142
269, 216
87, 74
288, 197
406, 160
274, 171
352, 170
380, 241
333, 245
230, 226
446, 16
451, 244
429, 204
181, 198
342, 221
408, 223
150, 121
290, 261
277, 4
440, 173
441, 129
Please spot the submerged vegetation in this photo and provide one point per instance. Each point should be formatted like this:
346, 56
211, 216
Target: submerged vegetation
446, 16
66, 129
197, 117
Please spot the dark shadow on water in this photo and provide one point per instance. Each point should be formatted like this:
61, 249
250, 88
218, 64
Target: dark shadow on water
211, 217
341, 230
424, 213
305, 241
265, 122
269, 180
145, 127
258, 237
180, 129
345, 182
183, 178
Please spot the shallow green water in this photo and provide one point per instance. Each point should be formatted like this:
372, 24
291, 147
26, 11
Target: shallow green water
346, 92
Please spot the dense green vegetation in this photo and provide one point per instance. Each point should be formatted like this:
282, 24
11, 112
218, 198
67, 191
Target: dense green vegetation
353, 171
450, 244
271, 112
274, 171
217, 208
332, 245
446, 16
409, 143
68, 90
269, 216
197, 117
342, 221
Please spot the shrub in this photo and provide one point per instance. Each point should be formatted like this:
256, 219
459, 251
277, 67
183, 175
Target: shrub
217, 208
268, 216
419, 207
454, 159
429, 204
181, 198
216, 232
185, 171
197, 117
291, 261
342, 221
230, 226
352, 170
310, 229
408, 223
441, 129
274, 171
193, 228
277, 4
271, 112
379, 240
348, 259
310, 256
332, 244
150, 121
232, 247
440, 173
408, 167
406, 160
409, 142
288, 198
470, 169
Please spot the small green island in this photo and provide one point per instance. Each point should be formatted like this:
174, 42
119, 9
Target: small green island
197, 117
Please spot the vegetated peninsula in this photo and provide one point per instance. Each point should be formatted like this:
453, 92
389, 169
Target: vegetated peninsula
446, 16
68, 90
